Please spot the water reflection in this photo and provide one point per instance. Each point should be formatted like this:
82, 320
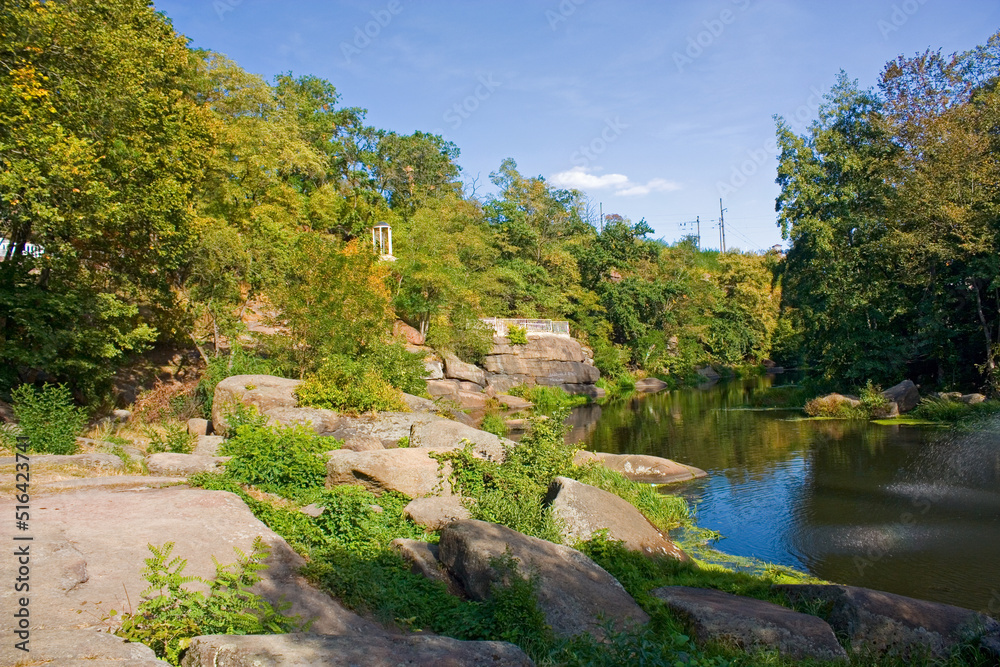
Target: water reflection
906, 509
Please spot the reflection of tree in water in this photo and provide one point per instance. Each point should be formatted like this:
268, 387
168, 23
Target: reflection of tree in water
710, 428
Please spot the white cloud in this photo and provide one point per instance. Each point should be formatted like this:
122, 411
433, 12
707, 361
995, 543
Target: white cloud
580, 178
654, 185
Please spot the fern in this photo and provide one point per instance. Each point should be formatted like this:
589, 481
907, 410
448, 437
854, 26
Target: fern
170, 615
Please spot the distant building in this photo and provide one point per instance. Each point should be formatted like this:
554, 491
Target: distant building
29, 249
382, 242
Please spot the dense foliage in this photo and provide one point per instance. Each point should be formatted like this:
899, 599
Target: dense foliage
48, 418
890, 203
156, 194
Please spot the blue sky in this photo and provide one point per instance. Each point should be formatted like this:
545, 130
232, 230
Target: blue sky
654, 110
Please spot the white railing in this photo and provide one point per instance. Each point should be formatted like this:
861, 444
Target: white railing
500, 325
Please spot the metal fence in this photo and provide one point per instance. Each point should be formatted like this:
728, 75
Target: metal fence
500, 325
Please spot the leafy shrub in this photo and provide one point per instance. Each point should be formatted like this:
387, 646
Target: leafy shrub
48, 418
362, 522
171, 615
517, 335
495, 424
350, 385
287, 461
461, 333
873, 403
172, 438
402, 369
511, 493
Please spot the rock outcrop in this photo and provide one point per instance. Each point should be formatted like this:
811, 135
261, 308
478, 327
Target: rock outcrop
410, 471
547, 359
93, 461
641, 467
298, 650
89, 547
264, 392
424, 559
715, 616
902, 398
167, 464
650, 385
445, 433
583, 510
572, 591
436, 512
889, 623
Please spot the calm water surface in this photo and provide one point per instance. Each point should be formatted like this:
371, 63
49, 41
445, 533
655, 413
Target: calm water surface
911, 510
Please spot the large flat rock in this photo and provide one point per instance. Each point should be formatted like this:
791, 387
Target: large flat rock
584, 510
446, 433
85, 647
715, 616
574, 593
322, 421
434, 513
91, 461
546, 359
388, 427
889, 623
641, 467
410, 471
264, 392
167, 464
89, 546
300, 650
456, 369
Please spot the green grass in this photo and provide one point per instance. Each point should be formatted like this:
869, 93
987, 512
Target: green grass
548, 399
955, 412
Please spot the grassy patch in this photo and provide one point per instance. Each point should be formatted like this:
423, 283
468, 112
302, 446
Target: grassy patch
548, 399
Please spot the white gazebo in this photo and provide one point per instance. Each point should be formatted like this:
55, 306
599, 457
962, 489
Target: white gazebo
382, 241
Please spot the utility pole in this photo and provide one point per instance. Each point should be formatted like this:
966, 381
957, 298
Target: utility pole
602, 217
697, 221
722, 225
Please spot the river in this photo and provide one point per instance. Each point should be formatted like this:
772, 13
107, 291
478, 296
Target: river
914, 510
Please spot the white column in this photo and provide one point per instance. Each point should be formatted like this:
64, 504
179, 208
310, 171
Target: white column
390, 241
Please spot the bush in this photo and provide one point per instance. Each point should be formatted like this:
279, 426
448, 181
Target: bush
287, 461
461, 333
171, 615
495, 424
402, 369
350, 385
48, 418
172, 438
511, 493
517, 335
